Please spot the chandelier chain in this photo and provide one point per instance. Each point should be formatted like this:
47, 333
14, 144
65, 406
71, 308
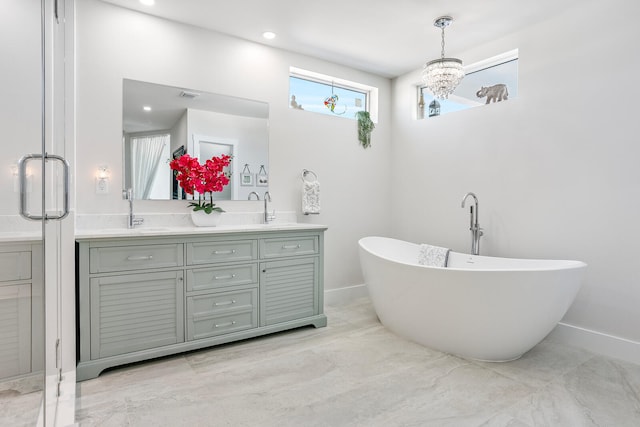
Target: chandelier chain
442, 44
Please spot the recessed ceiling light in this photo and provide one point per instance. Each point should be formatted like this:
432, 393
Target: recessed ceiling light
146, 108
148, 2
269, 35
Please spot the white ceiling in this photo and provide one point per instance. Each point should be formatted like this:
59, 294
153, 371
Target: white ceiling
385, 37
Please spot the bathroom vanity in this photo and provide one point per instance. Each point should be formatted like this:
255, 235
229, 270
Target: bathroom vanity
149, 294
20, 307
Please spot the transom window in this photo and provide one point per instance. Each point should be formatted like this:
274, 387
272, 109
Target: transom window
492, 80
319, 93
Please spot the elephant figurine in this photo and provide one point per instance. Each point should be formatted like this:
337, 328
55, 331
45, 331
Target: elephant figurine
495, 93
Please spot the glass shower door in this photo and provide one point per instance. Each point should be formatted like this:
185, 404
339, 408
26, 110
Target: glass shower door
35, 228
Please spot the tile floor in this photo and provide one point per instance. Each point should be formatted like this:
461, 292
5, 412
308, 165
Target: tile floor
355, 373
20, 401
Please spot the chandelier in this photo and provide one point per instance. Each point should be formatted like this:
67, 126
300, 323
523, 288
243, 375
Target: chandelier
442, 75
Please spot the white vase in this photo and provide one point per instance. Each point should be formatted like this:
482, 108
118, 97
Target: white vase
203, 219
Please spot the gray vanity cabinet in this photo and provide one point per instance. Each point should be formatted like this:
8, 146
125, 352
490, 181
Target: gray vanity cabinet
20, 309
289, 286
136, 312
145, 297
222, 298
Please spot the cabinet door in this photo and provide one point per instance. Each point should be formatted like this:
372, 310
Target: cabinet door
288, 290
15, 266
136, 312
15, 330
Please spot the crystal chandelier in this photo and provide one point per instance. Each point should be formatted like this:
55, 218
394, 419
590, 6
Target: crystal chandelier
442, 75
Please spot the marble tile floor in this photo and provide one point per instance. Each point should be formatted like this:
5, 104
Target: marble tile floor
356, 373
20, 401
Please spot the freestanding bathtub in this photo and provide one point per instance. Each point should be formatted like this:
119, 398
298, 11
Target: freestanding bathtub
478, 307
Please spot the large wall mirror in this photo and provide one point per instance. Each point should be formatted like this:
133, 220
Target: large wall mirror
163, 122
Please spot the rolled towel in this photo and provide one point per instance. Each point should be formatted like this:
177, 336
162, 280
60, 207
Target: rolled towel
433, 256
310, 197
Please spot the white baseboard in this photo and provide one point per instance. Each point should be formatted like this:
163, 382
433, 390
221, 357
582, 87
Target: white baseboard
344, 295
597, 342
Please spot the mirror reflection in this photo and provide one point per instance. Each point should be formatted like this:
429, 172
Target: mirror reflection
163, 122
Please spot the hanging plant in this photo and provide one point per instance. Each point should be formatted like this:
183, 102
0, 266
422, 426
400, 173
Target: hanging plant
365, 127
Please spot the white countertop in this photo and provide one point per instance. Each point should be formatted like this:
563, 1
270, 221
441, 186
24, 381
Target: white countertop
20, 236
141, 231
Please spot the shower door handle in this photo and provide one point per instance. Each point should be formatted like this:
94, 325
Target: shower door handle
22, 177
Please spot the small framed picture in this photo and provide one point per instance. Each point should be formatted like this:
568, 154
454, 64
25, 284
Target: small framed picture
246, 179
262, 177
262, 180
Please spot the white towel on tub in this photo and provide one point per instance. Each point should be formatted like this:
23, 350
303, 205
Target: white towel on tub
433, 256
310, 197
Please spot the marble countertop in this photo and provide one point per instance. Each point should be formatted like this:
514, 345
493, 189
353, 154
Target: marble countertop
142, 231
155, 225
20, 236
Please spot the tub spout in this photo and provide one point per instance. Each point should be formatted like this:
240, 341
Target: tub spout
474, 224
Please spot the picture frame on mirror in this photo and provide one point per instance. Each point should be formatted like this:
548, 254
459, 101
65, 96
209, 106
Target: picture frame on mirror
246, 179
262, 177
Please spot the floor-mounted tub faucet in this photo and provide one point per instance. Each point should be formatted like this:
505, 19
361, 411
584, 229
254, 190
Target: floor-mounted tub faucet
474, 225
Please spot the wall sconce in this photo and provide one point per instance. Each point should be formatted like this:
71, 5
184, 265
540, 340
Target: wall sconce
15, 177
103, 175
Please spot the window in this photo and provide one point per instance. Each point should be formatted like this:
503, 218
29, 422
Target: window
319, 93
492, 80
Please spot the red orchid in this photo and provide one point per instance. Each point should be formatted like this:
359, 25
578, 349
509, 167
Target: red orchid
205, 179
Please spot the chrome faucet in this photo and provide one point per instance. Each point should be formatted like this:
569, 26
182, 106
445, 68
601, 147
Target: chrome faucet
267, 216
132, 221
253, 193
474, 225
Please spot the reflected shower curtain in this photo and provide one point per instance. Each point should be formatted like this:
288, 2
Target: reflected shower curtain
146, 155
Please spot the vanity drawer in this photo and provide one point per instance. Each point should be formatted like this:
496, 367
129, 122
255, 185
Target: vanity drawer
15, 266
221, 303
124, 258
282, 247
223, 251
205, 327
219, 277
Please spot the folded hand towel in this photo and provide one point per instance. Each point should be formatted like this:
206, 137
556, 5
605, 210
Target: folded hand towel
433, 256
310, 197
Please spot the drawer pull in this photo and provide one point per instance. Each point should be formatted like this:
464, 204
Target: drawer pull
140, 258
290, 246
228, 252
218, 304
228, 276
224, 325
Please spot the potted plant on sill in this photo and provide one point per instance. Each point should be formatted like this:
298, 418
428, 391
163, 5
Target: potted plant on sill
202, 180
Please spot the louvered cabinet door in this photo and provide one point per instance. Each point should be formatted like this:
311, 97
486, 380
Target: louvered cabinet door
136, 312
15, 330
288, 290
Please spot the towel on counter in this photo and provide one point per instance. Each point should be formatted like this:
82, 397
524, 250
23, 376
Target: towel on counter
310, 197
433, 256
